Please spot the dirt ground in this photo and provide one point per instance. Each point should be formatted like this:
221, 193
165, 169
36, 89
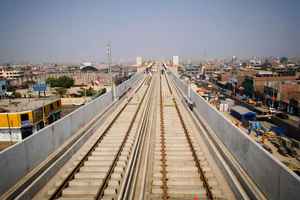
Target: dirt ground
4, 145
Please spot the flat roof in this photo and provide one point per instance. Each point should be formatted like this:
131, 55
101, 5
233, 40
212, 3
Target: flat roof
242, 110
262, 72
24, 104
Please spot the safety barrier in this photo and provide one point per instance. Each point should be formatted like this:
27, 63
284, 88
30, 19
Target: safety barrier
122, 88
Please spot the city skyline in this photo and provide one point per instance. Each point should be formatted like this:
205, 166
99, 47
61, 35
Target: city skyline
61, 31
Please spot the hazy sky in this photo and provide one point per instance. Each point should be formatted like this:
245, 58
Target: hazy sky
78, 30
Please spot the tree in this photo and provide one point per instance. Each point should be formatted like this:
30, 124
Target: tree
101, 91
51, 81
63, 81
11, 88
248, 87
87, 92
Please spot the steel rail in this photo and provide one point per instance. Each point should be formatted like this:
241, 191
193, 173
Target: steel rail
163, 147
201, 171
100, 192
130, 178
144, 164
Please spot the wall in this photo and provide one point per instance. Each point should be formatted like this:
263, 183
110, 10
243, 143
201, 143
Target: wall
13, 134
75, 100
274, 179
19, 159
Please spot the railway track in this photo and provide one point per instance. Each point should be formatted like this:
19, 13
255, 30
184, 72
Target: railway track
98, 171
148, 148
180, 169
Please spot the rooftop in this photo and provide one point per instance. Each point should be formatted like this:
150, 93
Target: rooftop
23, 104
242, 110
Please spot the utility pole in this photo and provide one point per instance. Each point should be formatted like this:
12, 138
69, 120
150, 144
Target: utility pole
109, 60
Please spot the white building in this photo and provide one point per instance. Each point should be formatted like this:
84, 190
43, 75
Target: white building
11, 74
139, 61
175, 60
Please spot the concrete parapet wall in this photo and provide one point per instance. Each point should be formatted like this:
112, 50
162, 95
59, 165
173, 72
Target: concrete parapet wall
75, 100
122, 88
21, 158
273, 178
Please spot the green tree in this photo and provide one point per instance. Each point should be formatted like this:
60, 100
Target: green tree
101, 91
11, 88
87, 92
248, 87
52, 82
63, 81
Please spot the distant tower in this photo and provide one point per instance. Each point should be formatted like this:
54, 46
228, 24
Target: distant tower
108, 53
234, 59
113, 88
139, 61
175, 60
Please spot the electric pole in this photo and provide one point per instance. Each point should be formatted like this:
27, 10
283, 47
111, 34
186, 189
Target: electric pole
109, 61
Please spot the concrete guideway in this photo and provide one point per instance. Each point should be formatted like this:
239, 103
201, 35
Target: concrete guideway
100, 167
179, 168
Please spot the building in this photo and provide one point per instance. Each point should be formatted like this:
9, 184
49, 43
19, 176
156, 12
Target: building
21, 117
139, 61
243, 114
209, 69
284, 95
263, 78
192, 70
11, 74
87, 66
175, 60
